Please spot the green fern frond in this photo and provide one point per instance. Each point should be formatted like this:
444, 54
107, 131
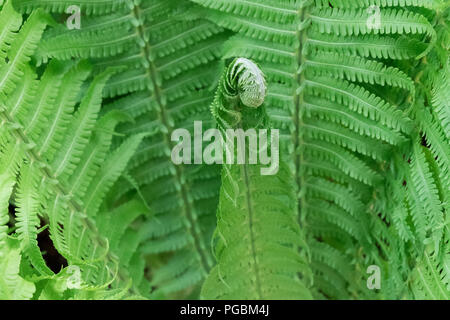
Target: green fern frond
355, 90
428, 194
360, 70
12, 285
323, 94
354, 22
429, 281
90, 7
169, 64
368, 45
257, 240
27, 220
348, 4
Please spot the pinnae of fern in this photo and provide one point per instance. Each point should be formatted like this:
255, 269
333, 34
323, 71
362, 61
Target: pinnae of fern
245, 77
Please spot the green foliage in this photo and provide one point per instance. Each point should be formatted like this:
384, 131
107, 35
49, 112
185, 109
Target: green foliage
423, 182
344, 112
257, 240
52, 147
86, 122
170, 65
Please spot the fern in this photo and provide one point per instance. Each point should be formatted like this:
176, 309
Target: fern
169, 65
424, 179
257, 239
47, 143
339, 129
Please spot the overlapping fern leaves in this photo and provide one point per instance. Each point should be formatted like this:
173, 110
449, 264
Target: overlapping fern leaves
51, 149
170, 64
421, 178
341, 100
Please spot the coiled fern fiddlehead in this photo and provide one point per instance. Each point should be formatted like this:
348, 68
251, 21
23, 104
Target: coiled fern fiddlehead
258, 243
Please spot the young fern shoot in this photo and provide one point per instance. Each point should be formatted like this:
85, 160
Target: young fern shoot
258, 243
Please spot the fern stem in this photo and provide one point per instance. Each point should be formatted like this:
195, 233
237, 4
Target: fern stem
298, 113
193, 228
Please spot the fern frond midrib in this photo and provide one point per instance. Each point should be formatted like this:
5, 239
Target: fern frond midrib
250, 211
158, 94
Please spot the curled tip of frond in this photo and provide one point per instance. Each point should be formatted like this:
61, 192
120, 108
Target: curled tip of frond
250, 81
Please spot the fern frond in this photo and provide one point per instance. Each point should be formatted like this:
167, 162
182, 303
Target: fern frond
98, 7
360, 70
12, 285
429, 281
81, 127
110, 172
368, 45
21, 50
256, 257
357, 92
11, 22
354, 22
428, 194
